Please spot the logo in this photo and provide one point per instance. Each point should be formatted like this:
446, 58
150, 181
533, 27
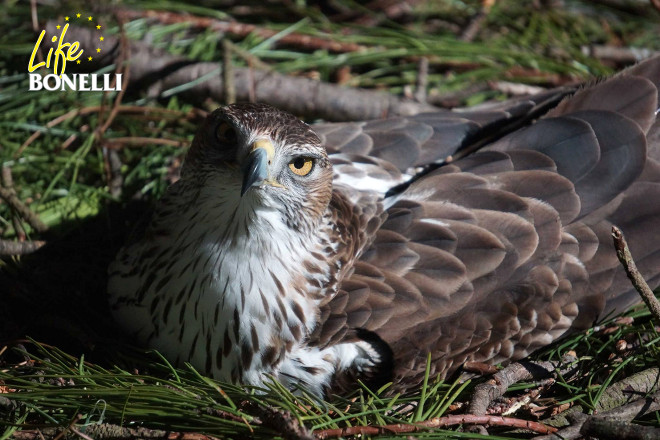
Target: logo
64, 52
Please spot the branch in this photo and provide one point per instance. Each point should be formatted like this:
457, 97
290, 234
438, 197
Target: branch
626, 259
282, 422
108, 431
22, 209
161, 73
8, 247
438, 422
614, 404
486, 392
612, 429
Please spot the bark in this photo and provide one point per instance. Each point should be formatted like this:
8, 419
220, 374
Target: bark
162, 74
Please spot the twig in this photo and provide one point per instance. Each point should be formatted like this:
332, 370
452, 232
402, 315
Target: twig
422, 80
247, 56
618, 55
486, 392
8, 182
35, 26
474, 26
515, 89
610, 404
8, 247
95, 109
123, 62
283, 422
115, 180
140, 141
438, 422
22, 209
656, 4
228, 73
623, 253
612, 429
108, 431
480, 368
80, 434
63, 432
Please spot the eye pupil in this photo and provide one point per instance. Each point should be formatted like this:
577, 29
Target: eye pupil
226, 133
301, 165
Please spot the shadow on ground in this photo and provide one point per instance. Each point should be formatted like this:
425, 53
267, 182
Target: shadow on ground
57, 295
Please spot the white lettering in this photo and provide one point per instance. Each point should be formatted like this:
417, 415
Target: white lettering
69, 82
47, 78
106, 82
35, 82
95, 86
81, 82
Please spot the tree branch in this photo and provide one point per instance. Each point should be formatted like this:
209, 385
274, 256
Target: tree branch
162, 73
438, 422
626, 259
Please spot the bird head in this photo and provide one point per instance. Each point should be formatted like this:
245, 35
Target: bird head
263, 158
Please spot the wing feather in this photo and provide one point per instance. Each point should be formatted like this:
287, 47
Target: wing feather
500, 252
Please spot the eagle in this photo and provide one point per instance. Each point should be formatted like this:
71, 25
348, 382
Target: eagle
342, 252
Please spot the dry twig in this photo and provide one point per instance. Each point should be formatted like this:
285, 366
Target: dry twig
107, 431
228, 72
473, 28
623, 253
282, 422
612, 429
119, 142
422, 79
8, 247
22, 209
486, 392
438, 422
622, 400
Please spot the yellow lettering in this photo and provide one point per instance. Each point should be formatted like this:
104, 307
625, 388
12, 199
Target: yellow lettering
48, 58
71, 54
59, 53
31, 66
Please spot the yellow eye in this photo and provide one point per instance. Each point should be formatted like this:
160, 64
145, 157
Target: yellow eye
226, 133
301, 165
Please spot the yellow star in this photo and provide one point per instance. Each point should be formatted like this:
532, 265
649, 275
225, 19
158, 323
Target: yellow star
89, 59
66, 18
78, 61
101, 38
77, 15
98, 26
58, 26
89, 18
98, 49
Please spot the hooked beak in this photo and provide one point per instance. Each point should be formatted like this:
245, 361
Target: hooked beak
255, 170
